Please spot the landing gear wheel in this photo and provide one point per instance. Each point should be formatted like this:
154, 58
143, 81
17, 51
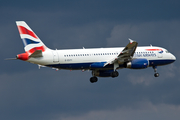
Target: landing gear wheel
155, 70
156, 75
93, 79
114, 74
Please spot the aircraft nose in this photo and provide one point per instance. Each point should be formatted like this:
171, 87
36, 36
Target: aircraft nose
173, 57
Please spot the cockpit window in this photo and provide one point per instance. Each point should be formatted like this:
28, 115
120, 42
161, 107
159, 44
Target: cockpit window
167, 51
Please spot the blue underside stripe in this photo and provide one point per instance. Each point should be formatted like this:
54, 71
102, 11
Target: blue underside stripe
160, 62
77, 66
87, 65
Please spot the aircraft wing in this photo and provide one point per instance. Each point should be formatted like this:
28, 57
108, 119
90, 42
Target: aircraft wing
125, 55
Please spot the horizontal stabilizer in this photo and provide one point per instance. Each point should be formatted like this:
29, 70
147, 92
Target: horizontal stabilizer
37, 53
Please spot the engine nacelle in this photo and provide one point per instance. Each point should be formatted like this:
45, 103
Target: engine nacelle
102, 73
138, 64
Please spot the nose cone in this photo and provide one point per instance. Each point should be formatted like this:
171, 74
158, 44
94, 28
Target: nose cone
173, 57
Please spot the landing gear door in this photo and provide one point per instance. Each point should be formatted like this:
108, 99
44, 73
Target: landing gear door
55, 56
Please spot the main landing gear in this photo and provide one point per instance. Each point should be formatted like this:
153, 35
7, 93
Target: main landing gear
110, 74
93, 79
155, 70
114, 74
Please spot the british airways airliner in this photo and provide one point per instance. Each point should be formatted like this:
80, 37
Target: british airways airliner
103, 62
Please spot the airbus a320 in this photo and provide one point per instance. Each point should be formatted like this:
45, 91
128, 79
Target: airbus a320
103, 62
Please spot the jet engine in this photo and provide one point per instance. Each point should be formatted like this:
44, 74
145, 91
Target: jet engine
137, 64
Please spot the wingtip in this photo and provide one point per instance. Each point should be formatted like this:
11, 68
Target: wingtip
131, 41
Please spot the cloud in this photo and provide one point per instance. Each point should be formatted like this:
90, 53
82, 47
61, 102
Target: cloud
29, 93
146, 76
145, 79
50, 94
39, 93
146, 110
156, 33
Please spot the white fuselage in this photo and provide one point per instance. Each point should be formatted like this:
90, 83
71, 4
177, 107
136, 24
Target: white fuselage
103, 62
82, 58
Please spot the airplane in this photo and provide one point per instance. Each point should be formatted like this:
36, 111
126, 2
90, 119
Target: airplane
103, 62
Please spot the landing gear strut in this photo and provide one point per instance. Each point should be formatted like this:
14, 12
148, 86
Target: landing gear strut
155, 70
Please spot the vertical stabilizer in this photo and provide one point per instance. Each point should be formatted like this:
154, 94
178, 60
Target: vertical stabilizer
30, 39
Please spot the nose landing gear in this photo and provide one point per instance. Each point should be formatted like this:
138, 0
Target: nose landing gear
155, 70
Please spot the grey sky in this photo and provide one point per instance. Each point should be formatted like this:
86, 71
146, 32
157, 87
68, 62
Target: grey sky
32, 94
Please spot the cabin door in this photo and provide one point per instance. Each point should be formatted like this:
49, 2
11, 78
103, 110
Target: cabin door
55, 56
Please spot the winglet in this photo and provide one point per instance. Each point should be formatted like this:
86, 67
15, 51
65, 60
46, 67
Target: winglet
131, 41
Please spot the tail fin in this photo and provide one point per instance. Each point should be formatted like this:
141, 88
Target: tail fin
30, 39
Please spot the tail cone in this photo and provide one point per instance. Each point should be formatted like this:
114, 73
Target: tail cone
23, 56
